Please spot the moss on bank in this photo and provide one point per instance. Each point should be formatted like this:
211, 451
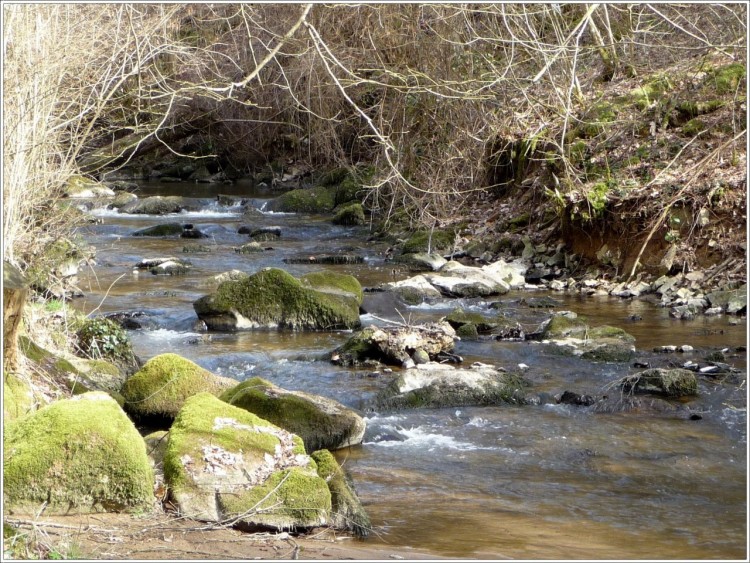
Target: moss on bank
76, 454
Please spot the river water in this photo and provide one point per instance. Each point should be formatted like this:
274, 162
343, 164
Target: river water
531, 482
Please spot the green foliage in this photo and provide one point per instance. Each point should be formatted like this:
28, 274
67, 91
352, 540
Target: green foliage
103, 338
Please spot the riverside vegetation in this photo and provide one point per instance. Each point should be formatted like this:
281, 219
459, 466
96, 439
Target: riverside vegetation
578, 149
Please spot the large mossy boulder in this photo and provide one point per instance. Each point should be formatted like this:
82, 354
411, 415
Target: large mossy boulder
158, 390
322, 423
223, 464
439, 385
76, 455
274, 299
306, 200
348, 512
395, 345
675, 382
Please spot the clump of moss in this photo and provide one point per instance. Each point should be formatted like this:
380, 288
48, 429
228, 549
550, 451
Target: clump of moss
160, 388
728, 78
561, 326
18, 398
82, 454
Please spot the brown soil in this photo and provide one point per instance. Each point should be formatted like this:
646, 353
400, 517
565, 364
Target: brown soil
162, 537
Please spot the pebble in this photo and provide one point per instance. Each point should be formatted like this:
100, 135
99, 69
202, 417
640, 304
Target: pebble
708, 369
686, 348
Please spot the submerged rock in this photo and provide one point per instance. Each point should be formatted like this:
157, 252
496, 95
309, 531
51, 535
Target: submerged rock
274, 299
322, 423
77, 455
225, 464
326, 258
439, 385
163, 230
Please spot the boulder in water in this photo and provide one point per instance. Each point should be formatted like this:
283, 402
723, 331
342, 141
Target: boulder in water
438, 385
322, 423
274, 299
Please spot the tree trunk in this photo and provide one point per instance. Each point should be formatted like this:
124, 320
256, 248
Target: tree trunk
15, 289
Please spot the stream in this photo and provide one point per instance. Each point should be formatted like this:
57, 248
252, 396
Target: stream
551, 481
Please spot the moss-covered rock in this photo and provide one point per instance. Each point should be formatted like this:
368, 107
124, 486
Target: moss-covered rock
563, 326
348, 512
675, 382
224, 463
306, 200
274, 299
156, 205
159, 389
423, 241
421, 261
322, 423
102, 338
350, 215
76, 455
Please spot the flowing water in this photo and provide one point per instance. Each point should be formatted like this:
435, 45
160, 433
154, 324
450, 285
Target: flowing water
542, 482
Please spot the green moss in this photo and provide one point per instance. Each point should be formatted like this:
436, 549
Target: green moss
728, 78
650, 92
442, 241
274, 298
693, 127
296, 414
467, 332
309, 200
333, 281
519, 221
597, 118
597, 198
164, 383
606, 331
76, 454
348, 512
18, 397
609, 350
292, 497
349, 215
670, 382
334, 176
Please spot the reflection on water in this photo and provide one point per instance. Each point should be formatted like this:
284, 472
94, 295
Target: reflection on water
548, 482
